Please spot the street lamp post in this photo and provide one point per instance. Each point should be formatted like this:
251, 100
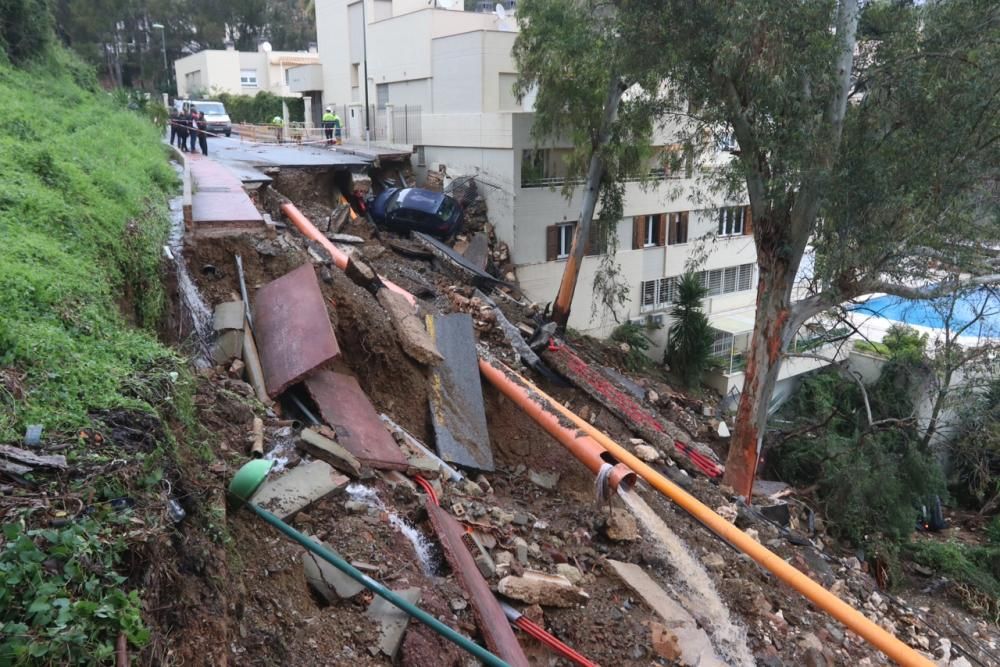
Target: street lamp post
163, 44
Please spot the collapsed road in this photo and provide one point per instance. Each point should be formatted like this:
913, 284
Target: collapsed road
512, 513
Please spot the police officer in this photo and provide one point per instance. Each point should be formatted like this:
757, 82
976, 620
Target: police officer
182, 128
202, 132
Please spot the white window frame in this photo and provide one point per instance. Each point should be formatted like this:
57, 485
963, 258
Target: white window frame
731, 221
649, 239
565, 243
248, 78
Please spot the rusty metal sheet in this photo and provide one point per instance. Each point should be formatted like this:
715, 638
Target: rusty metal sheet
489, 614
456, 396
292, 328
345, 407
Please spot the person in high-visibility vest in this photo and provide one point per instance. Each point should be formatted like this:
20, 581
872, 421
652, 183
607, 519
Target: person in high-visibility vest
328, 118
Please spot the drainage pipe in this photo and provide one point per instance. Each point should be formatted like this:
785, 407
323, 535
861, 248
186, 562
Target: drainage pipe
510, 383
416, 612
531, 401
340, 258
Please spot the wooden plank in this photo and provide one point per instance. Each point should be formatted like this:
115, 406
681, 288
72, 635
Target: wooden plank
33, 459
345, 407
489, 614
293, 331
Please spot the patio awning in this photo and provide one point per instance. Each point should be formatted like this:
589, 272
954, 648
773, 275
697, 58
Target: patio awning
732, 323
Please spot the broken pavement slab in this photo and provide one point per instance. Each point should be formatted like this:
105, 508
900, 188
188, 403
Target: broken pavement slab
345, 407
489, 614
547, 590
329, 583
416, 342
228, 315
478, 251
392, 620
456, 395
299, 488
325, 449
292, 327
679, 631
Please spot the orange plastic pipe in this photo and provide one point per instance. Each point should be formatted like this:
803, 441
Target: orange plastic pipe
584, 447
510, 383
340, 258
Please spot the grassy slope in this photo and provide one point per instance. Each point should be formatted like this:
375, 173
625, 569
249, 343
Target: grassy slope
81, 221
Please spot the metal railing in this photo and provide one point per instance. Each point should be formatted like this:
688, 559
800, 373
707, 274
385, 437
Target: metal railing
559, 181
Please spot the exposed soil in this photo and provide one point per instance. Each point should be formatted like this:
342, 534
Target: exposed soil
235, 591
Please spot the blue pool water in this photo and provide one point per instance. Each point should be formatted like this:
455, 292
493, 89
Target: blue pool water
934, 313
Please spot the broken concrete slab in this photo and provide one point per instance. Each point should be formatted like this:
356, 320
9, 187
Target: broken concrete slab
546, 480
456, 262
345, 407
327, 450
548, 590
692, 643
293, 330
416, 342
392, 620
299, 488
478, 251
456, 395
489, 614
228, 346
228, 315
329, 583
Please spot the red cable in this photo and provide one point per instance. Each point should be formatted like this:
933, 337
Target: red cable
428, 488
539, 633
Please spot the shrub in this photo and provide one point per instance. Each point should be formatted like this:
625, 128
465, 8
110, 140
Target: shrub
260, 108
634, 336
25, 28
689, 349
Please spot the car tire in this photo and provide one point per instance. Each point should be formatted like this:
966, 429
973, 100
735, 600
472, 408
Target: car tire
228, 132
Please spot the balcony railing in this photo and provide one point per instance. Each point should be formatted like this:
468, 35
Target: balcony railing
559, 181
731, 363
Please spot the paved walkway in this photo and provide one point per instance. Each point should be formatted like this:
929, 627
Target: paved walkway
219, 204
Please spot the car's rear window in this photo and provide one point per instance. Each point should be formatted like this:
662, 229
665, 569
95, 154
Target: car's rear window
447, 208
393, 203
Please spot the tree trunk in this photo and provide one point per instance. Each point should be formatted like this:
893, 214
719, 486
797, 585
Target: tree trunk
567, 286
774, 327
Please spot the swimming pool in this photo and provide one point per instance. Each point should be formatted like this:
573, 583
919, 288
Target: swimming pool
933, 313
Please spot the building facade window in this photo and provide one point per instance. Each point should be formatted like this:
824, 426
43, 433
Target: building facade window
382, 95
248, 78
734, 220
649, 231
677, 228
662, 293
558, 241
722, 344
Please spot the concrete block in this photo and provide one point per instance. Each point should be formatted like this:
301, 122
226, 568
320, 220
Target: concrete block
228, 315
327, 450
392, 620
330, 583
299, 488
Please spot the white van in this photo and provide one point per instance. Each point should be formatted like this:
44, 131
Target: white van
216, 118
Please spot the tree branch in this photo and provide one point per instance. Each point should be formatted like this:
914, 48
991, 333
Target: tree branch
944, 288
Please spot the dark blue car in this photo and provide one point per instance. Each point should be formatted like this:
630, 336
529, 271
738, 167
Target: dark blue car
419, 210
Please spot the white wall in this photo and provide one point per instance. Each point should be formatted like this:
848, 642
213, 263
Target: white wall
457, 65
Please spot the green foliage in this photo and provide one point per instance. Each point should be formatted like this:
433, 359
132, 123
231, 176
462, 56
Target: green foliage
634, 336
82, 221
905, 344
975, 566
689, 348
61, 601
25, 28
870, 481
260, 108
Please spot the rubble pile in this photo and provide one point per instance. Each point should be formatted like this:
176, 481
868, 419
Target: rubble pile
534, 531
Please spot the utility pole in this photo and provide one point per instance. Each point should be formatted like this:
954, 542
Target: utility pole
364, 49
163, 44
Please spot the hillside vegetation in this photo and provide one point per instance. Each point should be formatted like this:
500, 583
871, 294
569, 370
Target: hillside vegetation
82, 222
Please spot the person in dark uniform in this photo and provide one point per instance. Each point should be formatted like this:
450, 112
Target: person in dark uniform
182, 129
203, 132
173, 126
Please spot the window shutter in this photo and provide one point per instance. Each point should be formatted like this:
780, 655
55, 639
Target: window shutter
747, 221
683, 234
551, 242
661, 229
673, 222
637, 232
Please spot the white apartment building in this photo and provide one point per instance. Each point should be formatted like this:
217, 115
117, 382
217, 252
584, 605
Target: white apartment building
239, 72
457, 68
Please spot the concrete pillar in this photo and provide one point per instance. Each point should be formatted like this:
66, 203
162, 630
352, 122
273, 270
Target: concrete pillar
307, 101
284, 114
388, 124
357, 112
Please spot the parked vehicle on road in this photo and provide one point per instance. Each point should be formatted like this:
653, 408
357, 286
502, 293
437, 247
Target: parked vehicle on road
216, 116
418, 210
